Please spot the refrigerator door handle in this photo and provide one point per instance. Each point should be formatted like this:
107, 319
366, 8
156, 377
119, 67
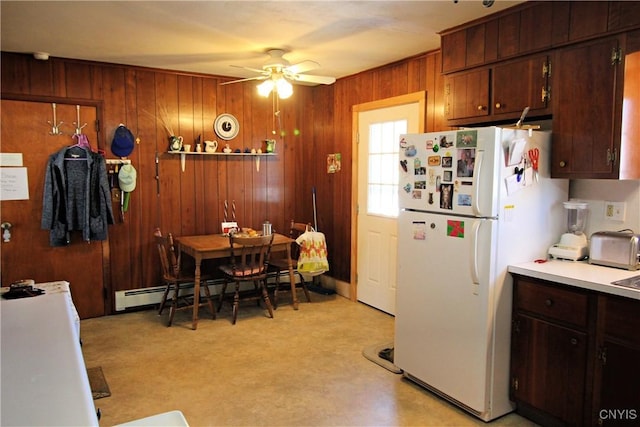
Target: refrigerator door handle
476, 183
473, 259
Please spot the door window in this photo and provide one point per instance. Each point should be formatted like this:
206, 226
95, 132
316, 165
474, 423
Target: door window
382, 180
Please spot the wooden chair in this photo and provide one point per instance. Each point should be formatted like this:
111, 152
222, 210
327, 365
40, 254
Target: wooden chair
281, 265
247, 263
174, 279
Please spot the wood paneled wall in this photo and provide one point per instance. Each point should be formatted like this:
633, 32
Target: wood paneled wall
315, 122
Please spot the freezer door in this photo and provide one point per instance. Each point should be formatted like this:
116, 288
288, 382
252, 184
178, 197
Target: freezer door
452, 172
443, 325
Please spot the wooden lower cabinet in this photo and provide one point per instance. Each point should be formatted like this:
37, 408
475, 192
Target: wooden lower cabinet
550, 344
550, 370
616, 397
575, 355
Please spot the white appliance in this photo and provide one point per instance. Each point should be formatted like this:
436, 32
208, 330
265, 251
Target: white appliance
573, 244
470, 206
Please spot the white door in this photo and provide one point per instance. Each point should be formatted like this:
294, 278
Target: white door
377, 198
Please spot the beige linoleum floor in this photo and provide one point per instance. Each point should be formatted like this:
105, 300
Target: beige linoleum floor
301, 368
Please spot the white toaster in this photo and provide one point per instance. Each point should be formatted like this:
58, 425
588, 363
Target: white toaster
620, 249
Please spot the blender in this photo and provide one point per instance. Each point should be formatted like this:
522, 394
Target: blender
573, 244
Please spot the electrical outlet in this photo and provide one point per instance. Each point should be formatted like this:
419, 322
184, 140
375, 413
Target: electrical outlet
614, 211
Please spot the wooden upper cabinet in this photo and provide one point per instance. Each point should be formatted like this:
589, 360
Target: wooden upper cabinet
623, 15
454, 50
475, 37
586, 110
469, 47
587, 19
544, 25
630, 125
509, 35
521, 83
534, 26
467, 94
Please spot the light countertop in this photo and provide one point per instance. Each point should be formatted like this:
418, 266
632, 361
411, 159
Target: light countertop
580, 274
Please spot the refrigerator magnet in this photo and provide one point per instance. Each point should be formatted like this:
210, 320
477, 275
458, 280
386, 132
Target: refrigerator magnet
444, 143
419, 230
464, 199
467, 139
446, 196
455, 228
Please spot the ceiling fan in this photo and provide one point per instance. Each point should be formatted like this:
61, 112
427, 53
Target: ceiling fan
277, 74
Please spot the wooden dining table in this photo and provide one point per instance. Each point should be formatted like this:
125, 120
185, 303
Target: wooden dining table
211, 246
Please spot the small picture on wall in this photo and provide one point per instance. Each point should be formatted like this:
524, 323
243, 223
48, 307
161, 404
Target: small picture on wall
334, 162
447, 176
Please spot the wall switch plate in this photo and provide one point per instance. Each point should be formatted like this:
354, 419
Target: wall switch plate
614, 211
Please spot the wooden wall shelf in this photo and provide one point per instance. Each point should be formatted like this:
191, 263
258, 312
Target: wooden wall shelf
195, 153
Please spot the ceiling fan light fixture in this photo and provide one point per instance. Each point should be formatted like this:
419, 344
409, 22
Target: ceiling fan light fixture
265, 88
285, 89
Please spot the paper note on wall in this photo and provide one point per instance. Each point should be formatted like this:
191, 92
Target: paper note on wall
14, 184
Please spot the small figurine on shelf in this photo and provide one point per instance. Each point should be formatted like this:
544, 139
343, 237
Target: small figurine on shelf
175, 143
210, 146
271, 145
226, 148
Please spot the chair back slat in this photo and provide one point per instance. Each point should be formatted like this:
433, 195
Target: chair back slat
250, 255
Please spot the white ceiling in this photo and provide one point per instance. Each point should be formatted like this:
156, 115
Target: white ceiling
344, 37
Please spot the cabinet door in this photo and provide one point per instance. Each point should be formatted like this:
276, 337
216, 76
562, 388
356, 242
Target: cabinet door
467, 94
454, 50
586, 113
617, 377
520, 84
548, 368
587, 19
620, 387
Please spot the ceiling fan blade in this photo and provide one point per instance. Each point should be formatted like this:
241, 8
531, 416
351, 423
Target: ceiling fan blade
307, 78
244, 80
255, 70
302, 67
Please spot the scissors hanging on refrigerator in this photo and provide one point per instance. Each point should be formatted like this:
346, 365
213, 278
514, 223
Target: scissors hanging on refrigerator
534, 157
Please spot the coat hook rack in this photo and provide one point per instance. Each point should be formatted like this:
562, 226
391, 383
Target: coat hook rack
55, 126
77, 122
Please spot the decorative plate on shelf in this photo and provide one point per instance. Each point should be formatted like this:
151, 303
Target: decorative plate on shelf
226, 126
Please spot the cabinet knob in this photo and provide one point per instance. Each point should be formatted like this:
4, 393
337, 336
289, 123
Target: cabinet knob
562, 163
574, 341
481, 107
498, 105
548, 302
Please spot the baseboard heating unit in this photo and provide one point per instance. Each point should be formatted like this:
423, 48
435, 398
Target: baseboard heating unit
153, 295
138, 297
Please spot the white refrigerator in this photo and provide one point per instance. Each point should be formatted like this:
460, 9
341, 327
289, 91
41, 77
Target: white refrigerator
471, 203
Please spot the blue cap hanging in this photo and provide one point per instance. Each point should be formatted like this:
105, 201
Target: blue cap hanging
123, 141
